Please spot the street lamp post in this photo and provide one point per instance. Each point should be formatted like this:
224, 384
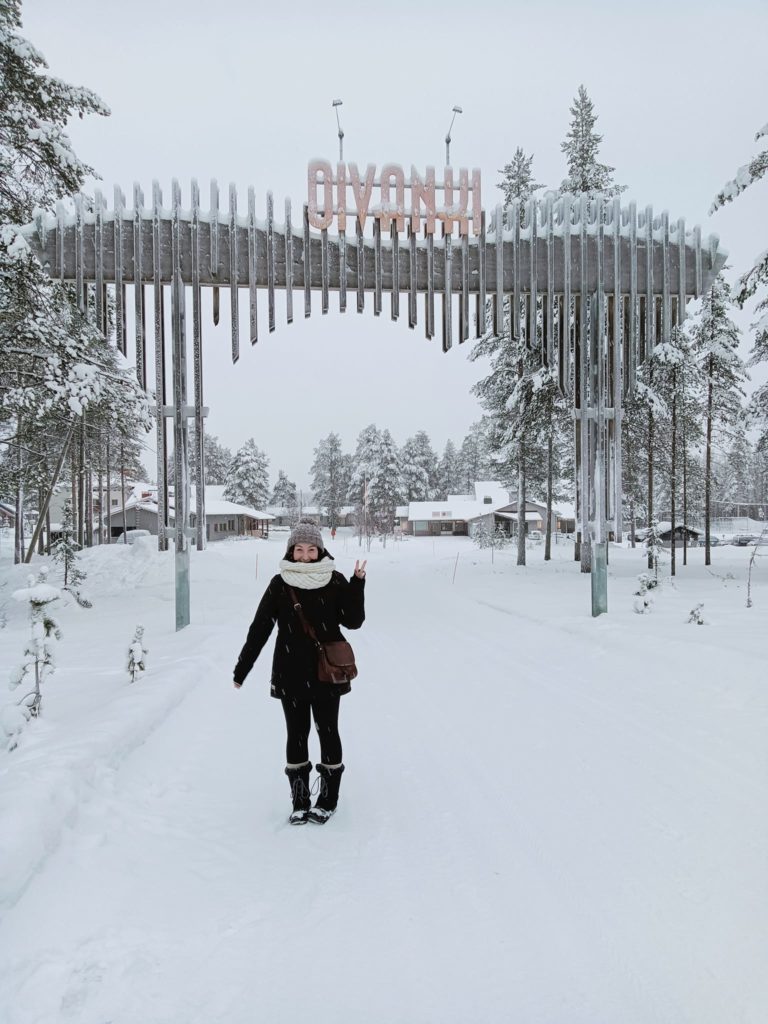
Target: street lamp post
456, 110
336, 105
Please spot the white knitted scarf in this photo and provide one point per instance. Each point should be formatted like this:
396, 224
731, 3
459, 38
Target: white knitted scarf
307, 575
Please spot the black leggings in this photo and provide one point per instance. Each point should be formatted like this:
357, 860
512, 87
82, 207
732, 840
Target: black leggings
324, 708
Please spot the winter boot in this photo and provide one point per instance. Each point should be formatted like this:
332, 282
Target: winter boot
302, 801
328, 780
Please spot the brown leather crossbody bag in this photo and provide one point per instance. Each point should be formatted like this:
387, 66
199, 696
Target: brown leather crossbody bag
335, 658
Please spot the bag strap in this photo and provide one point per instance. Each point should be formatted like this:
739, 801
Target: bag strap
298, 609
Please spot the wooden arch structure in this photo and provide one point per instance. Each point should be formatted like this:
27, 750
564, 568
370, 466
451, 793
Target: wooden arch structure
596, 284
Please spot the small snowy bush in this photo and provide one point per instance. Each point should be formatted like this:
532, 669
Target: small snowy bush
484, 537
643, 598
44, 630
137, 655
697, 616
64, 553
653, 548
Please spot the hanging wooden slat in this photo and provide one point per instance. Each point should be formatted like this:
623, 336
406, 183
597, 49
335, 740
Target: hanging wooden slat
650, 317
360, 266
533, 298
271, 262
447, 290
464, 302
395, 294
120, 332
480, 314
288, 263
253, 298
632, 337
666, 310
234, 292
139, 317
515, 215
681, 270
324, 285
548, 341
307, 261
429, 311
99, 246
213, 249
342, 271
498, 302
412, 278
377, 296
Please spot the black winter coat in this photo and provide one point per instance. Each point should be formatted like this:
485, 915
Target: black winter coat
294, 664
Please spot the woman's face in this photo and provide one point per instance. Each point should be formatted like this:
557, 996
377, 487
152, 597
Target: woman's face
305, 553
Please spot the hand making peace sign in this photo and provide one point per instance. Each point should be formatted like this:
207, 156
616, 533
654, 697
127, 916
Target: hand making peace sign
360, 570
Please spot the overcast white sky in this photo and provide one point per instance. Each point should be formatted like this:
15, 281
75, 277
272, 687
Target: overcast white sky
241, 91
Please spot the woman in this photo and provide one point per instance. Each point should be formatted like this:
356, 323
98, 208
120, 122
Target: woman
327, 601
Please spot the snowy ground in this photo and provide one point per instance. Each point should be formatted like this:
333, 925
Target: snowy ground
545, 818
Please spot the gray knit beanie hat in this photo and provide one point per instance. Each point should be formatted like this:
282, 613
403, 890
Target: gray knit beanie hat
306, 531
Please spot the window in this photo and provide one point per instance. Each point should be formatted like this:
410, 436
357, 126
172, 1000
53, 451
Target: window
115, 501
231, 524
487, 501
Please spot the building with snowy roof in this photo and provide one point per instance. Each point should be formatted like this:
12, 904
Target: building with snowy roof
223, 519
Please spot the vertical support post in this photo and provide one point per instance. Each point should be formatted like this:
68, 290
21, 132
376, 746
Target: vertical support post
596, 497
197, 358
162, 467
180, 430
138, 289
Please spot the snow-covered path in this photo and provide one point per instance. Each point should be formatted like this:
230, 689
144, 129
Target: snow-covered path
543, 819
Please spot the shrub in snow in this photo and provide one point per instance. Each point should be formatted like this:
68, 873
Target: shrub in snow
13, 718
761, 540
697, 615
64, 553
652, 545
137, 655
643, 598
44, 630
485, 537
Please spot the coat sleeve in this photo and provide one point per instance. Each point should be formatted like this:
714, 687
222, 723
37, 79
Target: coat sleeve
258, 634
351, 602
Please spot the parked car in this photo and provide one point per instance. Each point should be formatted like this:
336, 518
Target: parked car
742, 539
713, 541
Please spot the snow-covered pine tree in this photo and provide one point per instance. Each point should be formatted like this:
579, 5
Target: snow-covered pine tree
474, 456
39, 660
365, 470
247, 478
330, 478
216, 459
715, 343
517, 178
385, 492
448, 481
678, 382
753, 284
42, 337
418, 467
137, 655
64, 553
734, 477
581, 147
284, 492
